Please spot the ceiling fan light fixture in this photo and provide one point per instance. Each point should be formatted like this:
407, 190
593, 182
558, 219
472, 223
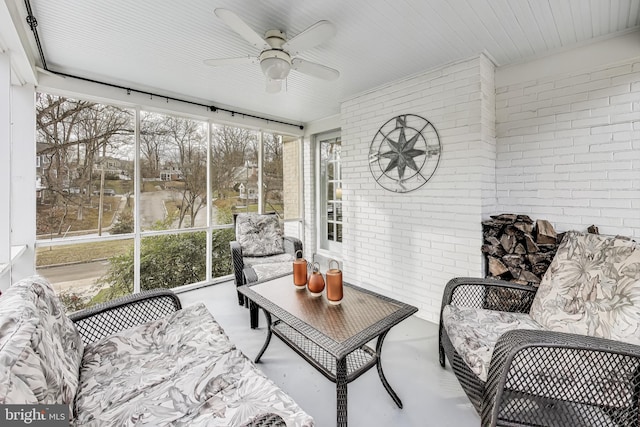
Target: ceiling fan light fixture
275, 64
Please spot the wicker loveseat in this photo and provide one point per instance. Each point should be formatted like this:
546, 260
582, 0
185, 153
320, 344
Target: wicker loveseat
140, 360
566, 355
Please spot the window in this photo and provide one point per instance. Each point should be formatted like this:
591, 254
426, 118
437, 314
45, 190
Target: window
234, 171
330, 193
80, 197
272, 174
110, 221
173, 165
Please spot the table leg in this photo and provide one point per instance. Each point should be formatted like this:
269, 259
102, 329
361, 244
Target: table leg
267, 315
253, 315
385, 383
341, 391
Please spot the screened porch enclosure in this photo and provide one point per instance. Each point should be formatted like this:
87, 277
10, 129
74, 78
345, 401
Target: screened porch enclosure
130, 199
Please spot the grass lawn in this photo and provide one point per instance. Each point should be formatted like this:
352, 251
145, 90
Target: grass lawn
172, 207
71, 223
81, 252
120, 186
150, 186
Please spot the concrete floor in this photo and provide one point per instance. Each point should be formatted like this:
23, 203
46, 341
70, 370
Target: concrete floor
431, 395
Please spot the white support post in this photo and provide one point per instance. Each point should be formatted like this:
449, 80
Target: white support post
5, 170
23, 180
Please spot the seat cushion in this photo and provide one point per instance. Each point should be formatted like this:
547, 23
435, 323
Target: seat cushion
40, 348
280, 258
474, 333
259, 235
273, 270
178, 370
592, 287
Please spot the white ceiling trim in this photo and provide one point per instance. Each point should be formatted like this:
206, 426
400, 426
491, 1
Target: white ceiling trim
21, 65
605, 50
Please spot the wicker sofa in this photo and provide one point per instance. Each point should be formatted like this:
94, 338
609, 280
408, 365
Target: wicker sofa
565, 354
140, 360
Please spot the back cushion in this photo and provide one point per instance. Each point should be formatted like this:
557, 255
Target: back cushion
592, 287
40, 348
259, 235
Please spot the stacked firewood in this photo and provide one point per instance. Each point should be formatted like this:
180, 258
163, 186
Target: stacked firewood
517, 249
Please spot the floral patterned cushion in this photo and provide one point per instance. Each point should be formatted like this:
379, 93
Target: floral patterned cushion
592, 287
271, 271
474, 333
259, 235
279, 258
40, 348
180, 370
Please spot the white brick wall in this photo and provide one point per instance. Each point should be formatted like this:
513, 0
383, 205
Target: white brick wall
409, 245
309, 197
568, 148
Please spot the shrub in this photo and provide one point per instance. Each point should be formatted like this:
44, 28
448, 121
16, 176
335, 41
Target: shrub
124, 224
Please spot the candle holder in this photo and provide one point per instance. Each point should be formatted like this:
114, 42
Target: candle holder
316, 282
299, 271
334, 283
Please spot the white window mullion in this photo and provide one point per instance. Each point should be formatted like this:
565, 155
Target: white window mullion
209, 206
137, 190
260, 173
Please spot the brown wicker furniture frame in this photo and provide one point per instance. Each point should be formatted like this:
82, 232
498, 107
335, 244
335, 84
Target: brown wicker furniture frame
105, 319
331, 338
502, 401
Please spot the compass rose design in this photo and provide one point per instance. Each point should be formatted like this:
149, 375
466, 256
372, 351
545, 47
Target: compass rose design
404, 153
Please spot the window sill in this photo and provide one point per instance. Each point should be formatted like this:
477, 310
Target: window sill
16, 252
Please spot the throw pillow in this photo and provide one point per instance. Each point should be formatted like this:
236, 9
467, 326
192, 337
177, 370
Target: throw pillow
259, 235
592, 287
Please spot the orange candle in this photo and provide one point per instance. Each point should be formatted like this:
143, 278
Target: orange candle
334, 284
300, 271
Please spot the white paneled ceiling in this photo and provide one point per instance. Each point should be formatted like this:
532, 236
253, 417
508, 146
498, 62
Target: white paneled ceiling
160, 45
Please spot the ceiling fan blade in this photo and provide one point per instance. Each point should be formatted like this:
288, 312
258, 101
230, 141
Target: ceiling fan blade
312, 36
315, 70
234, 22
274, 86
231, 61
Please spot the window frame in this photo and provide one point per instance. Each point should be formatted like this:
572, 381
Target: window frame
138, 235
333, 249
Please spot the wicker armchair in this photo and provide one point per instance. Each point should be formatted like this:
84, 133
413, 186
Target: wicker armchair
268, 263
532, 375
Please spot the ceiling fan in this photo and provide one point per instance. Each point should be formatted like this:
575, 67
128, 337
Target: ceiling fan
277, 54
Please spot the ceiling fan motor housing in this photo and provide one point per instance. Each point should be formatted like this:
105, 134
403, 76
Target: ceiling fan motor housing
275, 38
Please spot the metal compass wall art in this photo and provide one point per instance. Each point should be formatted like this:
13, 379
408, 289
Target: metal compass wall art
404, 153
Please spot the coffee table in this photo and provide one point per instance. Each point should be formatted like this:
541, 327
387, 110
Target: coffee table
332, 338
